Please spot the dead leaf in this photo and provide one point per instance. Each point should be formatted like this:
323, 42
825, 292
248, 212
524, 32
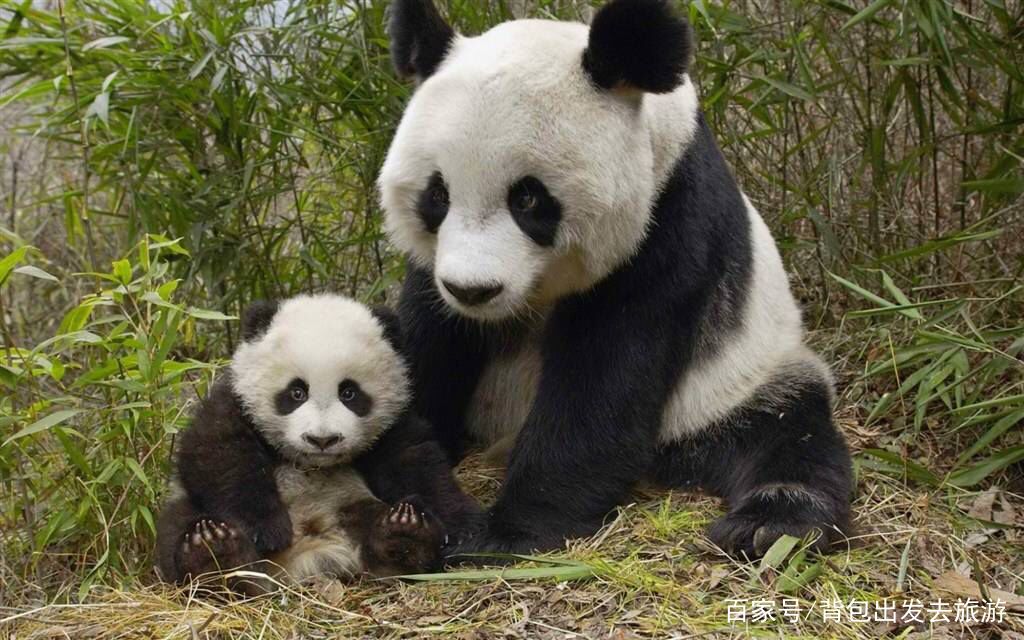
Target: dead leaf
958, 585
981, 508
717, 575
1006, 514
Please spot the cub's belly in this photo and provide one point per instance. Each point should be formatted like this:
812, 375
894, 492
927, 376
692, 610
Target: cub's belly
315, 499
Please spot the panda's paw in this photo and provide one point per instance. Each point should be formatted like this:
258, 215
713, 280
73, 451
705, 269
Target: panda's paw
408, 540
751, 527
409, 520
498, 546
213, 545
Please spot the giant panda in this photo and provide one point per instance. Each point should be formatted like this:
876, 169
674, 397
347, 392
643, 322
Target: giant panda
588, 288
293, 461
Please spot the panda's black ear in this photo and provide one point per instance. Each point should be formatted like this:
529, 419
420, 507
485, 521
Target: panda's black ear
419, 38
392, 327
641, 45
256, 318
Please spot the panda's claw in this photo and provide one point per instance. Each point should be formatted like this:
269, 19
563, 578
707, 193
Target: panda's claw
404, 516
208, 535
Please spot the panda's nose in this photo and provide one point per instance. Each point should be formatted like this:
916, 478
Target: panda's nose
472, 296
321, 442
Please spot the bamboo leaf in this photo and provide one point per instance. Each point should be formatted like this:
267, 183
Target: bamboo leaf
995, 431
996, 185
560, 573
100, 108
55, 418
198, 67
777, 553
10, 261
865, 13
103, 43
909, 468
208, 314
35, 272
787, 88
977, 473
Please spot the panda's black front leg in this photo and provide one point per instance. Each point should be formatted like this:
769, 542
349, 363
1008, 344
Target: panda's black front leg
446, 354
408, 460
228, 471
591, 433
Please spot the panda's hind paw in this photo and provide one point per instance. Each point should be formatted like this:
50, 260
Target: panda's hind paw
407, 520
212, 545
407, 540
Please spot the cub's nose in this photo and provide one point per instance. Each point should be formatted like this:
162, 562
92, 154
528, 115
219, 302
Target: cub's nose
472, 296
321, 442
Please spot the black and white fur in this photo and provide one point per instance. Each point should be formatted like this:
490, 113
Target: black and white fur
290, 460
588, 289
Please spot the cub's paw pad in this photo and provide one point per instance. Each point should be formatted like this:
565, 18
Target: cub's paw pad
210, 545
405, 520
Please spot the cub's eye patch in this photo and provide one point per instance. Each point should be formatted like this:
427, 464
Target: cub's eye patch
291, 397
353, 397
433, 202
535, 210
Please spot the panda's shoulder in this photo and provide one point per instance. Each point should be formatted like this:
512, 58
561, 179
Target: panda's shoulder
218, 416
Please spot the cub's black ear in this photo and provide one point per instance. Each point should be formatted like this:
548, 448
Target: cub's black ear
392, 327
419, 38
256, 318
638, 44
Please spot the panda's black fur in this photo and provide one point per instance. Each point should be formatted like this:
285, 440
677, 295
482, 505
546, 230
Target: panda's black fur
613, 353
226, 509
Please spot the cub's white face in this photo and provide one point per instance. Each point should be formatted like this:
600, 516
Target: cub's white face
322, 382
515, 179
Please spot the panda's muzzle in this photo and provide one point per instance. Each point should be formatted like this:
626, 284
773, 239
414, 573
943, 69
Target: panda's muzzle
321, 442
474, 295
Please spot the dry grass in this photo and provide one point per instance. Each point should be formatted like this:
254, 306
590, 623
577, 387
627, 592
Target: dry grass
655, 575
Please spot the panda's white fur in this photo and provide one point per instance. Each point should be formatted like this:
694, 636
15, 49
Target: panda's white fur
519, 87
322, 340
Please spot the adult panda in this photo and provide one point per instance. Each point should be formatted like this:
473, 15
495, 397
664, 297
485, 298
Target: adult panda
588, 285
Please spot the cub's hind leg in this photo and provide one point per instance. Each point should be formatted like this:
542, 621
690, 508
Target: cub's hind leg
191, 545
781, 465
401, 539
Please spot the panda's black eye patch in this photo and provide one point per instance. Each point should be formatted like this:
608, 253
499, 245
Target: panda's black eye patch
291, 397
535, 210
353, 397
433, 202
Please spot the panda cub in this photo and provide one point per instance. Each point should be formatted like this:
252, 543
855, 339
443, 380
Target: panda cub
287, 461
